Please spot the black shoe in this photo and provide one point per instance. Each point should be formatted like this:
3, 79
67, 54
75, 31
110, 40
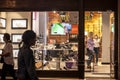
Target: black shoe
89, 67
65, 68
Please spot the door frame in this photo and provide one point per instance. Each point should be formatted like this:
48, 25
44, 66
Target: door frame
70, 5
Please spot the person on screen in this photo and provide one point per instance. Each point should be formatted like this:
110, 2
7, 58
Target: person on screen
64, 25
68, 27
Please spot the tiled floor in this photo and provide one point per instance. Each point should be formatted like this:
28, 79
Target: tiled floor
101, 72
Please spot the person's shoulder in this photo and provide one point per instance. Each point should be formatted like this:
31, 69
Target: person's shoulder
25, 52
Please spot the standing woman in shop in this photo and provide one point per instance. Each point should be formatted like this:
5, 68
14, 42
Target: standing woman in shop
26, 62
96, 47
7, 54
90, 49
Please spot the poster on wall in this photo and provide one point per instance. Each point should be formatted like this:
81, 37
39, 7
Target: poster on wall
1, 38
15, 52
74, 29
0, 51
19, 23
16, 38
2, 23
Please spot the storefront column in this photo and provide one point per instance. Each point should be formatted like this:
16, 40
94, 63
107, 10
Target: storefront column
81, 62
43, 18
106, 37
118, 69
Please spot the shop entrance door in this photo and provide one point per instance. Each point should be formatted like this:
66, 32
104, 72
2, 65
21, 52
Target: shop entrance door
101, 24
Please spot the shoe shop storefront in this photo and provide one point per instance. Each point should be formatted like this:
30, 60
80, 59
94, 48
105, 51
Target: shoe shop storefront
59, 51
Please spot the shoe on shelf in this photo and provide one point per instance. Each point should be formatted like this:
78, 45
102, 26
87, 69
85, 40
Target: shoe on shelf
88, 66
65, 68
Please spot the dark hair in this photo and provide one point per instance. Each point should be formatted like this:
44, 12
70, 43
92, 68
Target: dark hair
63, 20
7, 36
27, 37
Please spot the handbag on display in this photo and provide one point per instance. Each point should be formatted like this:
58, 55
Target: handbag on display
69, 64
38, 64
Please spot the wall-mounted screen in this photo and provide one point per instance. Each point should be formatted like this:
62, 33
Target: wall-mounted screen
57, 29
60, 28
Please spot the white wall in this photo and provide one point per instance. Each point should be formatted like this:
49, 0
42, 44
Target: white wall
106, 37
43, 21
36, 23
15, 15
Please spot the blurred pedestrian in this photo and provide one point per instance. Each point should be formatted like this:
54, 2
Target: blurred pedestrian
90, 49
26, 62
8, 62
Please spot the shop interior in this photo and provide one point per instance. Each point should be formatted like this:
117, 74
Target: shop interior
102, 25
56, 47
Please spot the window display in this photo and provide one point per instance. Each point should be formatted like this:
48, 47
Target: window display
52, 51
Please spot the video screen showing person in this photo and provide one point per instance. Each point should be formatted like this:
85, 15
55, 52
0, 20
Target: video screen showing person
57, 29
60, 28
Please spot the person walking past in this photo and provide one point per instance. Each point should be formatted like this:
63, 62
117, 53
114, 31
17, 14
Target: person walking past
90, 49
26, 62
7, 54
